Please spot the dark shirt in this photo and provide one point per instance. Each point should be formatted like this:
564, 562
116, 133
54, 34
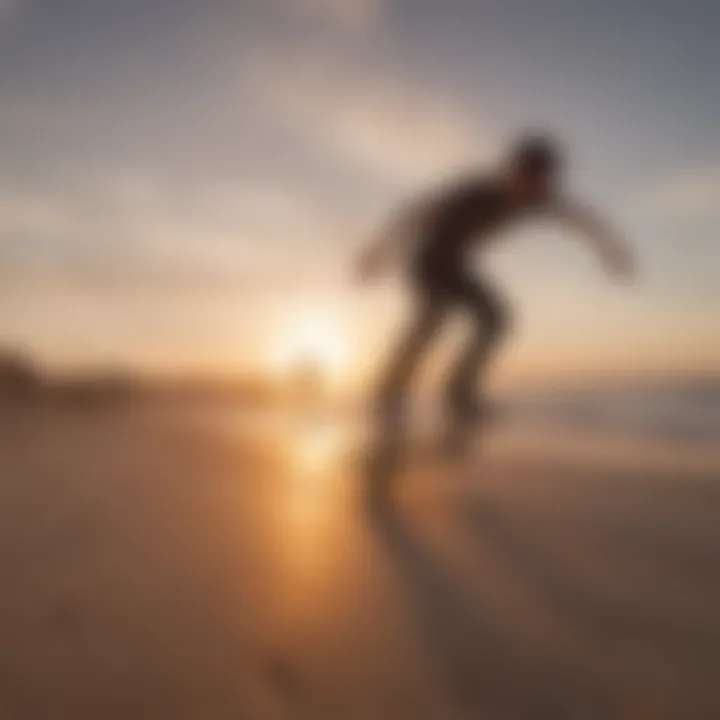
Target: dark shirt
470, 212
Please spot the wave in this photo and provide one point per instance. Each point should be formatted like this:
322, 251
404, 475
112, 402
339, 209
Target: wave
684, 413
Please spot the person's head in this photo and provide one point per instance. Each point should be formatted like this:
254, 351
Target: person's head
534, 167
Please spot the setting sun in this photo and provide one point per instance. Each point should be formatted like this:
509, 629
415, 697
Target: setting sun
316, 339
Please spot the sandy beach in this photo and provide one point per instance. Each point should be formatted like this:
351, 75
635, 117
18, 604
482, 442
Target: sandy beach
152, 568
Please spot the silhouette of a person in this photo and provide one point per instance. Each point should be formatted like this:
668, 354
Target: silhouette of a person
443, 229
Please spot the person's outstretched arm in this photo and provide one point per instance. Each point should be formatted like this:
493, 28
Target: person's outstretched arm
396, 234
616, 256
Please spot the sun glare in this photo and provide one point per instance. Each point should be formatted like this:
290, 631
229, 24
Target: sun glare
314, 340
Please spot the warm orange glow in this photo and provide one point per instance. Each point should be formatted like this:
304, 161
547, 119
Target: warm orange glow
317, 449
306, 516
312, 338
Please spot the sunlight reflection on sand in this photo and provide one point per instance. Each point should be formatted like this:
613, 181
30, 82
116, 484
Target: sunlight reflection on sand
306, 512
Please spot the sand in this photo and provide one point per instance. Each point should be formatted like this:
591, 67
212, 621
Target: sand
152, 567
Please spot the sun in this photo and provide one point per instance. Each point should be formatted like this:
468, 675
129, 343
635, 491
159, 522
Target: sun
316, 339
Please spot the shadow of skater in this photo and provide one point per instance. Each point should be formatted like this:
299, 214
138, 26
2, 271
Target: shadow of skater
481, 670
600, 617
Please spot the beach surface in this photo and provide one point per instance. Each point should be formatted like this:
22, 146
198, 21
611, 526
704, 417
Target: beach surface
155, 566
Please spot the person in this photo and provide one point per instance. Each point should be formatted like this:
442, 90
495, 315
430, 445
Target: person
443, 229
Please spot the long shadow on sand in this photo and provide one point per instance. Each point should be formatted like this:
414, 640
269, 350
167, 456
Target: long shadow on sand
482, 670
599, 617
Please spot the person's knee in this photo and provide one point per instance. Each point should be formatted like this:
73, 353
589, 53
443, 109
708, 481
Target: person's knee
393, 383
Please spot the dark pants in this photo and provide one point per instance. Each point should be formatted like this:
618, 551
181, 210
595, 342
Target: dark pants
440, 291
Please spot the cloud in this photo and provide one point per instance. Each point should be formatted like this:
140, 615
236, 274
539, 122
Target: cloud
355, 16
691, 193
7, 7
23, 214
399, 132
135, 228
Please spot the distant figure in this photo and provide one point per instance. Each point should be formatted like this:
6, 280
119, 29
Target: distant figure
443, 230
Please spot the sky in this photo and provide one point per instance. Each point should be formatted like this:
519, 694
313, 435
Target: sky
184, 183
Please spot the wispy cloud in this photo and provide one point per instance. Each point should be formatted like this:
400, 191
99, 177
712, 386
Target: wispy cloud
352, 15
134, 228
690, 193
23, 214
7, 7
398, 131
356, 16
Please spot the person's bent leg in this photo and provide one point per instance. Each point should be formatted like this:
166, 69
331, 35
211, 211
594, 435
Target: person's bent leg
491, 325
387, 449
396, 378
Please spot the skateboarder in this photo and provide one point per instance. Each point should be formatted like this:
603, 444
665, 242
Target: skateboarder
439, 234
